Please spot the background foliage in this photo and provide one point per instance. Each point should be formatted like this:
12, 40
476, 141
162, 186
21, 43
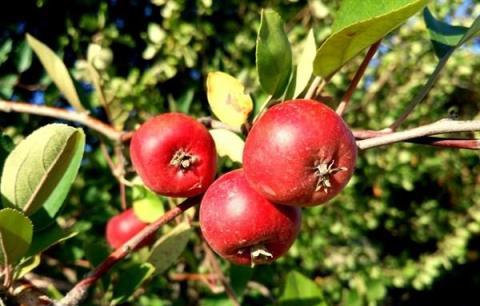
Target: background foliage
405, 231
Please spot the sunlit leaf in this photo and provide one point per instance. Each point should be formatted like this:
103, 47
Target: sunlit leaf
16, 232
273, 54
227, 99
149, 208
228, 144
300, 290
56, 70
359, 24
38, 173
305, 64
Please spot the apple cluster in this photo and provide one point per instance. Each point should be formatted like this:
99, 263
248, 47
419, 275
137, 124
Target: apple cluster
299, 153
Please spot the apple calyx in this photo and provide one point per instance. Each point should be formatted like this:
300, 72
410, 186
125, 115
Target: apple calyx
260, 255
323, 171
183, 160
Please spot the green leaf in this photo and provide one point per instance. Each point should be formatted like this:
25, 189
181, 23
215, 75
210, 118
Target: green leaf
149, 208
444, 36
5, 50
23, 57
45, 239
7, 83
169, 247
305, 64
228, 144
352, 298
57, 71
358, 25
16, 232
130, 279
300, 290
27, 265
38, 173
376, 290
273, 54
239, 277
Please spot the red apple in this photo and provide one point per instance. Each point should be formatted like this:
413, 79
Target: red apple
174, 155
244, 227
123, 227
299, 153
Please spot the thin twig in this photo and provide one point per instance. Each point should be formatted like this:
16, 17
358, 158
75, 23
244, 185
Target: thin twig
313, 87
356, 79
58, 113
79, 292
218, 270
452, 143
423, 93
440, 127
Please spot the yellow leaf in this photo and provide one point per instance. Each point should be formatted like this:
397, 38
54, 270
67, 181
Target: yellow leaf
228, 144
227, 98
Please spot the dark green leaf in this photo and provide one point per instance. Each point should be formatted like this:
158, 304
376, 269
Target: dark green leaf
239, 277
130, 279
300, 290
273, 54
444, 36
359, 24
16, 232
38, 173
23, 57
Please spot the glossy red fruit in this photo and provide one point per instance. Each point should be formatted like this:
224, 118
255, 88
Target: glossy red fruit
299, 153
244, 227
174, 155
124, 226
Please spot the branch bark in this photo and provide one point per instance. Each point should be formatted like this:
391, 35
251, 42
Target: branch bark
79, 292
416, 135
58, 113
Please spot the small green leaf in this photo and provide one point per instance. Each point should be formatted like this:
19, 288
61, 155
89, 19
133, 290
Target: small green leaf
305, 64
353, 298
16, 232
23, 57
444, 36
358, 25
273, 54
57, 71
5, 50
38, 173
130, 279
375, 290
149, 208
27, 265
228, 144
169, 247
45, 239
300, 290
7, 83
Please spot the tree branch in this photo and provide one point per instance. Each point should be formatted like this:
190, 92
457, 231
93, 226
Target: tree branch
416, 135
58, 113
356, 79
79, 292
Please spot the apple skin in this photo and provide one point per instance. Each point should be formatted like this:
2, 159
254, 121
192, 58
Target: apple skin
299, 153
174, 155
234, 219
123, 227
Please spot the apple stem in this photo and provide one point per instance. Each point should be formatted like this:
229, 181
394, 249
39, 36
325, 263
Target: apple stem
324, 171
260, 255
